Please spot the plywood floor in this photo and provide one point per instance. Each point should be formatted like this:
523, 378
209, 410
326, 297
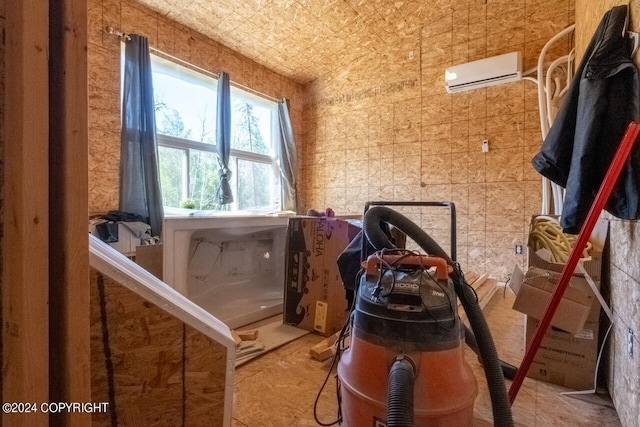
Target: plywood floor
279, 388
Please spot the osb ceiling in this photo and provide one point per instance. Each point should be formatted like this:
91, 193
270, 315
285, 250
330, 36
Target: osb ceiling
301, 39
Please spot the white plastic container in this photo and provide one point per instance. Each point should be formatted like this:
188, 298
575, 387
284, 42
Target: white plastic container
231, 266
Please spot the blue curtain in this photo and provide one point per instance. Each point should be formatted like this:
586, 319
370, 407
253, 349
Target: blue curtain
288, 159
223, 140
140, 191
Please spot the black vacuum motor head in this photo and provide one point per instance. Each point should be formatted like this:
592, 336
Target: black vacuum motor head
407, 304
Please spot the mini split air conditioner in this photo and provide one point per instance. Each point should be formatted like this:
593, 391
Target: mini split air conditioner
485, 72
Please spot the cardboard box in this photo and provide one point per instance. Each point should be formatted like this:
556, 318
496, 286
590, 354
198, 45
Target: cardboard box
149, 257
579, 304
314, 297
565, 359
534, 290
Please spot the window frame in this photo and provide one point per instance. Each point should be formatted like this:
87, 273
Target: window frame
186, 145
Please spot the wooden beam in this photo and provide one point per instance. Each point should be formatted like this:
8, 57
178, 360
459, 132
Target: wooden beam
69, 373
25, 278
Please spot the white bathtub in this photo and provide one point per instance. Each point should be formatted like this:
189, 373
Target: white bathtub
231, 266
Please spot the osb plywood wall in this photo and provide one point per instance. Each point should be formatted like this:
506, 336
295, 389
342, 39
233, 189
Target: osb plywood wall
151, 368
173, 39
384, 128
624, 237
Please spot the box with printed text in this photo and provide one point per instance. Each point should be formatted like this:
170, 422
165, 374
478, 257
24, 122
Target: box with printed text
563, 358
314, 296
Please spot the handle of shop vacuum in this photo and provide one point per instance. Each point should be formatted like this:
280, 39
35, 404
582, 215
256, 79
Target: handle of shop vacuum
452, 211
442, 268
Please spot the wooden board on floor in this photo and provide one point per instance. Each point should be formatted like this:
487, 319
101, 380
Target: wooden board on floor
471, 277
270, 337
484, 286
486, 292
325, 348
248, 334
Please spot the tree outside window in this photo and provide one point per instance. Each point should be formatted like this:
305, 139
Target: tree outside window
188, 160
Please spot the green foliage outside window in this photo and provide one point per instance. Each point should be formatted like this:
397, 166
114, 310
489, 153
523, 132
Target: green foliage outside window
185, 111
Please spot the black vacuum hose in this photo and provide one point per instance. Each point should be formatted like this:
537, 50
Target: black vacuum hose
400, 394
500, 403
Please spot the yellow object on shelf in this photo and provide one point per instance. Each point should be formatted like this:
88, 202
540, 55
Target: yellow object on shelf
546, 233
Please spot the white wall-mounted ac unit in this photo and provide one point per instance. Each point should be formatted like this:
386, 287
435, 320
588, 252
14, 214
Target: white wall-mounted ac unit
485, 72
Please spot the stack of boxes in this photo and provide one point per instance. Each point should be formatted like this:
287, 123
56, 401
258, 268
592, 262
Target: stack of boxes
569, 350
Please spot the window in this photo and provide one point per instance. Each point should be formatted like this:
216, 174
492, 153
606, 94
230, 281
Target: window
185, 120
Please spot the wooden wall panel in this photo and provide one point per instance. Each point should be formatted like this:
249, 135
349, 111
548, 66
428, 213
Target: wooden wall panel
149, 366
589, 14
424, 144
624, 273
204, 379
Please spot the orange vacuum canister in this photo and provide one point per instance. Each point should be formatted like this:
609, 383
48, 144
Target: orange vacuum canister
405, 364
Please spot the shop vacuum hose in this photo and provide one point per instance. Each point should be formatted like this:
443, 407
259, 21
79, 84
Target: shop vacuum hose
400, 393
500, 403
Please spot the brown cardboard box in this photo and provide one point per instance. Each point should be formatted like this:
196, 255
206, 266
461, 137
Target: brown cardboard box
533, 292
314, 297
565, 359
578, 304
149, 257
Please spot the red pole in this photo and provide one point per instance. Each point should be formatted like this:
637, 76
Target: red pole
610, 179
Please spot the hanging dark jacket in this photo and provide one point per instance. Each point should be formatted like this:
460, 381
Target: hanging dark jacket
601, 101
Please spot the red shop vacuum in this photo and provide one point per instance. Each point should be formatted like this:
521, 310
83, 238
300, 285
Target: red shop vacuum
404, 365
